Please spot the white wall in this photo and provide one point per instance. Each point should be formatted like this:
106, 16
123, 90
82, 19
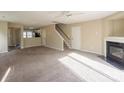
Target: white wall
3, 37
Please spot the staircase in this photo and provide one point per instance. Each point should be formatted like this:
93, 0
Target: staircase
66, 39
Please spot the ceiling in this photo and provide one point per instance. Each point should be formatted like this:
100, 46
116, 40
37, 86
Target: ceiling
42, 18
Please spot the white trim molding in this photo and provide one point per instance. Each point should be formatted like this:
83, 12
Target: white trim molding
4, 52
54, 48
91, 52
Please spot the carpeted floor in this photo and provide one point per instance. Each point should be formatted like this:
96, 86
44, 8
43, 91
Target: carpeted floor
40, 64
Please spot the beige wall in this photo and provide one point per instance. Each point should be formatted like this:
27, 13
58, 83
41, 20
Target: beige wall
14, 25
31, 42
118, 27
53, 39
91, 35
3, 37
94, 32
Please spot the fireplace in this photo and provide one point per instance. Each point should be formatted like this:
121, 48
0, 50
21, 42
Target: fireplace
115, 51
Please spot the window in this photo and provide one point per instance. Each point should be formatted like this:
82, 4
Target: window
27, 34
24, 34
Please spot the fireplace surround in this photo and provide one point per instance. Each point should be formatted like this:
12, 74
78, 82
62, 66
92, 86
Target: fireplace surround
114, 49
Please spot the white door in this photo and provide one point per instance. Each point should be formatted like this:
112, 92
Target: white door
43, 37
76, 39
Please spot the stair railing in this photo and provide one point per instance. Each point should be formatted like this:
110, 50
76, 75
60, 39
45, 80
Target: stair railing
66, 38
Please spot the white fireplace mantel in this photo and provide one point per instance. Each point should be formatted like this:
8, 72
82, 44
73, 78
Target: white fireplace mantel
115, 39
112, 39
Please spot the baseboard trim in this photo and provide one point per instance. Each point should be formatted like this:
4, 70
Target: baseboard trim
54, 48
88, 51
4, 52
31, 46
91, 52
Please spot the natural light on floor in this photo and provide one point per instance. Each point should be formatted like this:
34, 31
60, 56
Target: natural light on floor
112, 72
6, 74
82, 71
91, 70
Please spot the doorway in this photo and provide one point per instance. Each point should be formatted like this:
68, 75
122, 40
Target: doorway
76, 39
14, 38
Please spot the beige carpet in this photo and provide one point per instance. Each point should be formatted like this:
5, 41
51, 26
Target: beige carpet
40, 64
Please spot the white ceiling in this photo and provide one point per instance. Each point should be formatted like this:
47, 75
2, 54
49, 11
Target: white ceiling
42, 18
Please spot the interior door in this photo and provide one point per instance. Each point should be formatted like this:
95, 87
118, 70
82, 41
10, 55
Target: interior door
43, 37
76, 39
